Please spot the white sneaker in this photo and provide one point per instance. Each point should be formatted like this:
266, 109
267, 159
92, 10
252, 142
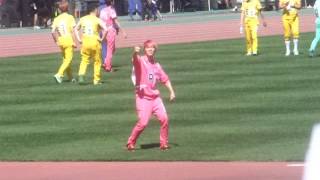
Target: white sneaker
296, 52
58, 78
36, 27
288, 53
249, 54
235, 9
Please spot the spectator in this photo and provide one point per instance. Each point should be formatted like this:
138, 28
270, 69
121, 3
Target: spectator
155, 10
147, 10
2, 2
135, 6
40, 13
77, 9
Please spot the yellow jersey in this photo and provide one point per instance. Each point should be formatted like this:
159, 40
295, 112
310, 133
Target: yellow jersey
90, 26
290, 12
64, 25
251, 9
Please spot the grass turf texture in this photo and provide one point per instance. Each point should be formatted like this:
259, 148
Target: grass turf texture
229, 106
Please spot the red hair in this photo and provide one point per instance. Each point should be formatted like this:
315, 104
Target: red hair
150, 43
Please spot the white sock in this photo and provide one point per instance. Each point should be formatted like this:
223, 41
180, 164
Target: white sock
295, 43
287, 45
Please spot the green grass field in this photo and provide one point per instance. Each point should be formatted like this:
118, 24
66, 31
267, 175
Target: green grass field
229, 106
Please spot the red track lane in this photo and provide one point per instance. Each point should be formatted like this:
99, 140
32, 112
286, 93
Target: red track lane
19, 45
149, 171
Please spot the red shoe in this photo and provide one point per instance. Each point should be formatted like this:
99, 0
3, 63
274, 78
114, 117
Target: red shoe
130, 147
164, 147
108, 69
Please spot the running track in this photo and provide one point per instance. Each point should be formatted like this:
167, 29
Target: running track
149, 171
40, 43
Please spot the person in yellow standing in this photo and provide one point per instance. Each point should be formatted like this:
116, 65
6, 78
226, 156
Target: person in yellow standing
250, 12
290, 20
89, 27
63, 36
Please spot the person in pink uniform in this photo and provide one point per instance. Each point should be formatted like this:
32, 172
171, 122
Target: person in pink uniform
109, 16
148, 72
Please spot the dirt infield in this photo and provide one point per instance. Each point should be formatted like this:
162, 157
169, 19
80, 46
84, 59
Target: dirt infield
149, 171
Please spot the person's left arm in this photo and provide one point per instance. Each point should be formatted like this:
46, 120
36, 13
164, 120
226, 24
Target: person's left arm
77, 30
262, 18
164, 78
242, 17
115, 19
259, 9
104, 28
172, 93
73, 25
54, 33
120, 28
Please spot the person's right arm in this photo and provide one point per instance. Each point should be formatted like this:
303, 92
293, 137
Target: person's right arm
104, 28
136, 54
171, 91
73, 24
77, 31
241, 21
54, 33
316, 10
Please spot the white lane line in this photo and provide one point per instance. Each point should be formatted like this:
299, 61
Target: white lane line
295, 165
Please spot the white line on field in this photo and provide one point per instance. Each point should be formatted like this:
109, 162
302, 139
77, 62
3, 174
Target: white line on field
295, 165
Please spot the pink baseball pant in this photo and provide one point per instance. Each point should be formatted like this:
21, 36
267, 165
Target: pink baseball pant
145, 108
111, 47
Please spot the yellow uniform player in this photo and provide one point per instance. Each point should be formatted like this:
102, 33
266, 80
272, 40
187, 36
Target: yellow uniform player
290, 20
90, 26
250, 11
62, 33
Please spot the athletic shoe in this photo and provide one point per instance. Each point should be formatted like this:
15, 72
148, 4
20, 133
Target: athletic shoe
130, 147
58, 78
81, 79
109, 70
97, 82
255, 54
164, 147
36, 27
249, 54
296, 52
235, 9
73, 80
288, 53
311, 53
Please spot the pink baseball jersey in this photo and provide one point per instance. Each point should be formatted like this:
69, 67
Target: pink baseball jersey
107, 15
147, 73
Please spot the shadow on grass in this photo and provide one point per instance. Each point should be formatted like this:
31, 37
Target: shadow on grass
155, 145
